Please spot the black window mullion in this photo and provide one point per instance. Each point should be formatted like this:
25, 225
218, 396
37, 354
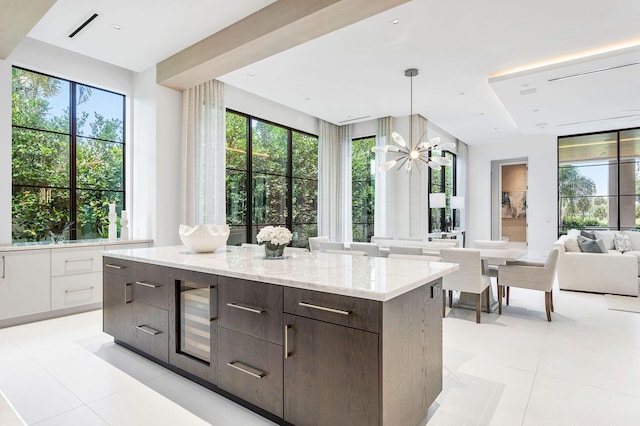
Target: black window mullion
249, 182
289, 220
72, 161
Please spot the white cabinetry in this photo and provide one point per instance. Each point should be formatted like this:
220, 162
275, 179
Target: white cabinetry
25, 279
40, 280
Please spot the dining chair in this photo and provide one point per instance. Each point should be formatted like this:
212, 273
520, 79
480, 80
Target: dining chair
347, 252
330, 245
315, 241
415, 257
468, 278
532, 276
491, 270
371, 249
405, 250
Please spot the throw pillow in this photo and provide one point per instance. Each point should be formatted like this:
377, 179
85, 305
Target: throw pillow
607, 237
588, 234
622, 242
591, 246
573, 233
571, 245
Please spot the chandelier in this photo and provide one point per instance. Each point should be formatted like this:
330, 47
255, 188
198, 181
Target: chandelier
408, 154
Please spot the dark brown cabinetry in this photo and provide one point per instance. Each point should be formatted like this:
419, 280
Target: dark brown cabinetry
305, 357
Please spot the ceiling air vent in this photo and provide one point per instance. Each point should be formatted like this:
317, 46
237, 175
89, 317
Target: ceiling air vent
582, 74
529, 91
82, 25
353, 119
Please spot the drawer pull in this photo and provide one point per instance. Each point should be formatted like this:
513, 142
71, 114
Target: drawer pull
245, 308
126, 294
89, 259
324, 308
148, 330
247, 369
287, 354
109, 265
3, 267
79, 289
150, 285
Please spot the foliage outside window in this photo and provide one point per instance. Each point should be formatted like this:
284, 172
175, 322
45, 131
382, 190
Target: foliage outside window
599, 181
443, 180
363, 188
271, 179
67, 157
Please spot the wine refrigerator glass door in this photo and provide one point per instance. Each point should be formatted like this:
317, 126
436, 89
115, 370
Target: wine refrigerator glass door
196, 313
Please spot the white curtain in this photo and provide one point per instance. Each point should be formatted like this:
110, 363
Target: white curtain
334, 181
204, 159
419, 184
383, 137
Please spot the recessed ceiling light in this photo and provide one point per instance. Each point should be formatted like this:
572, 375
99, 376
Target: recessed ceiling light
482, 113
307, 99
535, 110
252, 74
394, 21
116, 27
461, 93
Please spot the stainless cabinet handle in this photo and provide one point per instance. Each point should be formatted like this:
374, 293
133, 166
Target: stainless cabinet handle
287, 354
245, 369
109, 265
3, 267
79, 289
245, 308
150, 285
324, 308
148, 330
78, 260
126, 299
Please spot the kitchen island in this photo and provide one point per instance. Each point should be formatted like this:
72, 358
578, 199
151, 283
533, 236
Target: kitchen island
313, 339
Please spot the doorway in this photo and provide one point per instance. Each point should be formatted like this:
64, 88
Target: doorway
509, 200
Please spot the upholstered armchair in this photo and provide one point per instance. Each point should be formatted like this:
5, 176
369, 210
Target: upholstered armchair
314, 243
371, 249
533, 276
468, 278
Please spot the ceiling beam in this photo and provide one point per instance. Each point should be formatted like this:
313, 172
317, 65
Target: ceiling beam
17, 19
277, 27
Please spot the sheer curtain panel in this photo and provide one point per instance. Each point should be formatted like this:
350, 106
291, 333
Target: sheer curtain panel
334, 181
383, 137
204, 147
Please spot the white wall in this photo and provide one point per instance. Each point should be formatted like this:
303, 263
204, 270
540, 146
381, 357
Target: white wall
248, 103
157, 155
43, 57
541, 195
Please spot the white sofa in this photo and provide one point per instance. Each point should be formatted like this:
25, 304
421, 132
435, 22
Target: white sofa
613, 272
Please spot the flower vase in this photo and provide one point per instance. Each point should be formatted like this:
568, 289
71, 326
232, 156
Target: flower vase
273, 251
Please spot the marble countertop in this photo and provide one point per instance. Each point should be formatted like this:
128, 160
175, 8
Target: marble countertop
67, 244
374, 278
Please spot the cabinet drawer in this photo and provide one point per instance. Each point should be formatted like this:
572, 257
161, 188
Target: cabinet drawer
117, 266
251, 368
251, 308
343, 310
75, 290
76, 261
152, 284
151, 327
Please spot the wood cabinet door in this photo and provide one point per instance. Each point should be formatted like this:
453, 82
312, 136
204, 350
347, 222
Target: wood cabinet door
330, 375
117, 308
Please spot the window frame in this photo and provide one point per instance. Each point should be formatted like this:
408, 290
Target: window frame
250, 236
443, 188
73, 136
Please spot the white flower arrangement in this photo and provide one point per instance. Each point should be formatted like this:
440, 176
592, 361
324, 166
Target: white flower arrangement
274, 236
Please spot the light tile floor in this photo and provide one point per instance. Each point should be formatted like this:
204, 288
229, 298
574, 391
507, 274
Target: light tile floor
516, 369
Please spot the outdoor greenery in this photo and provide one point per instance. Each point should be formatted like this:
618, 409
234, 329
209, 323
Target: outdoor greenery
443, 181
363, 188
42, 164
279, 194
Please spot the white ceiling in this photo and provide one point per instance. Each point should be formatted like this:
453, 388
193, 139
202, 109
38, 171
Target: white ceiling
359, 71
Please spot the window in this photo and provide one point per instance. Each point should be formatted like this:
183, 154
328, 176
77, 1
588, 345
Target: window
443, 180
67, 157
272, 179
599, 181
363, 187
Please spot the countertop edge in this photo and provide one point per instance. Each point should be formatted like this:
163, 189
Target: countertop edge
68, 245
351, 292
